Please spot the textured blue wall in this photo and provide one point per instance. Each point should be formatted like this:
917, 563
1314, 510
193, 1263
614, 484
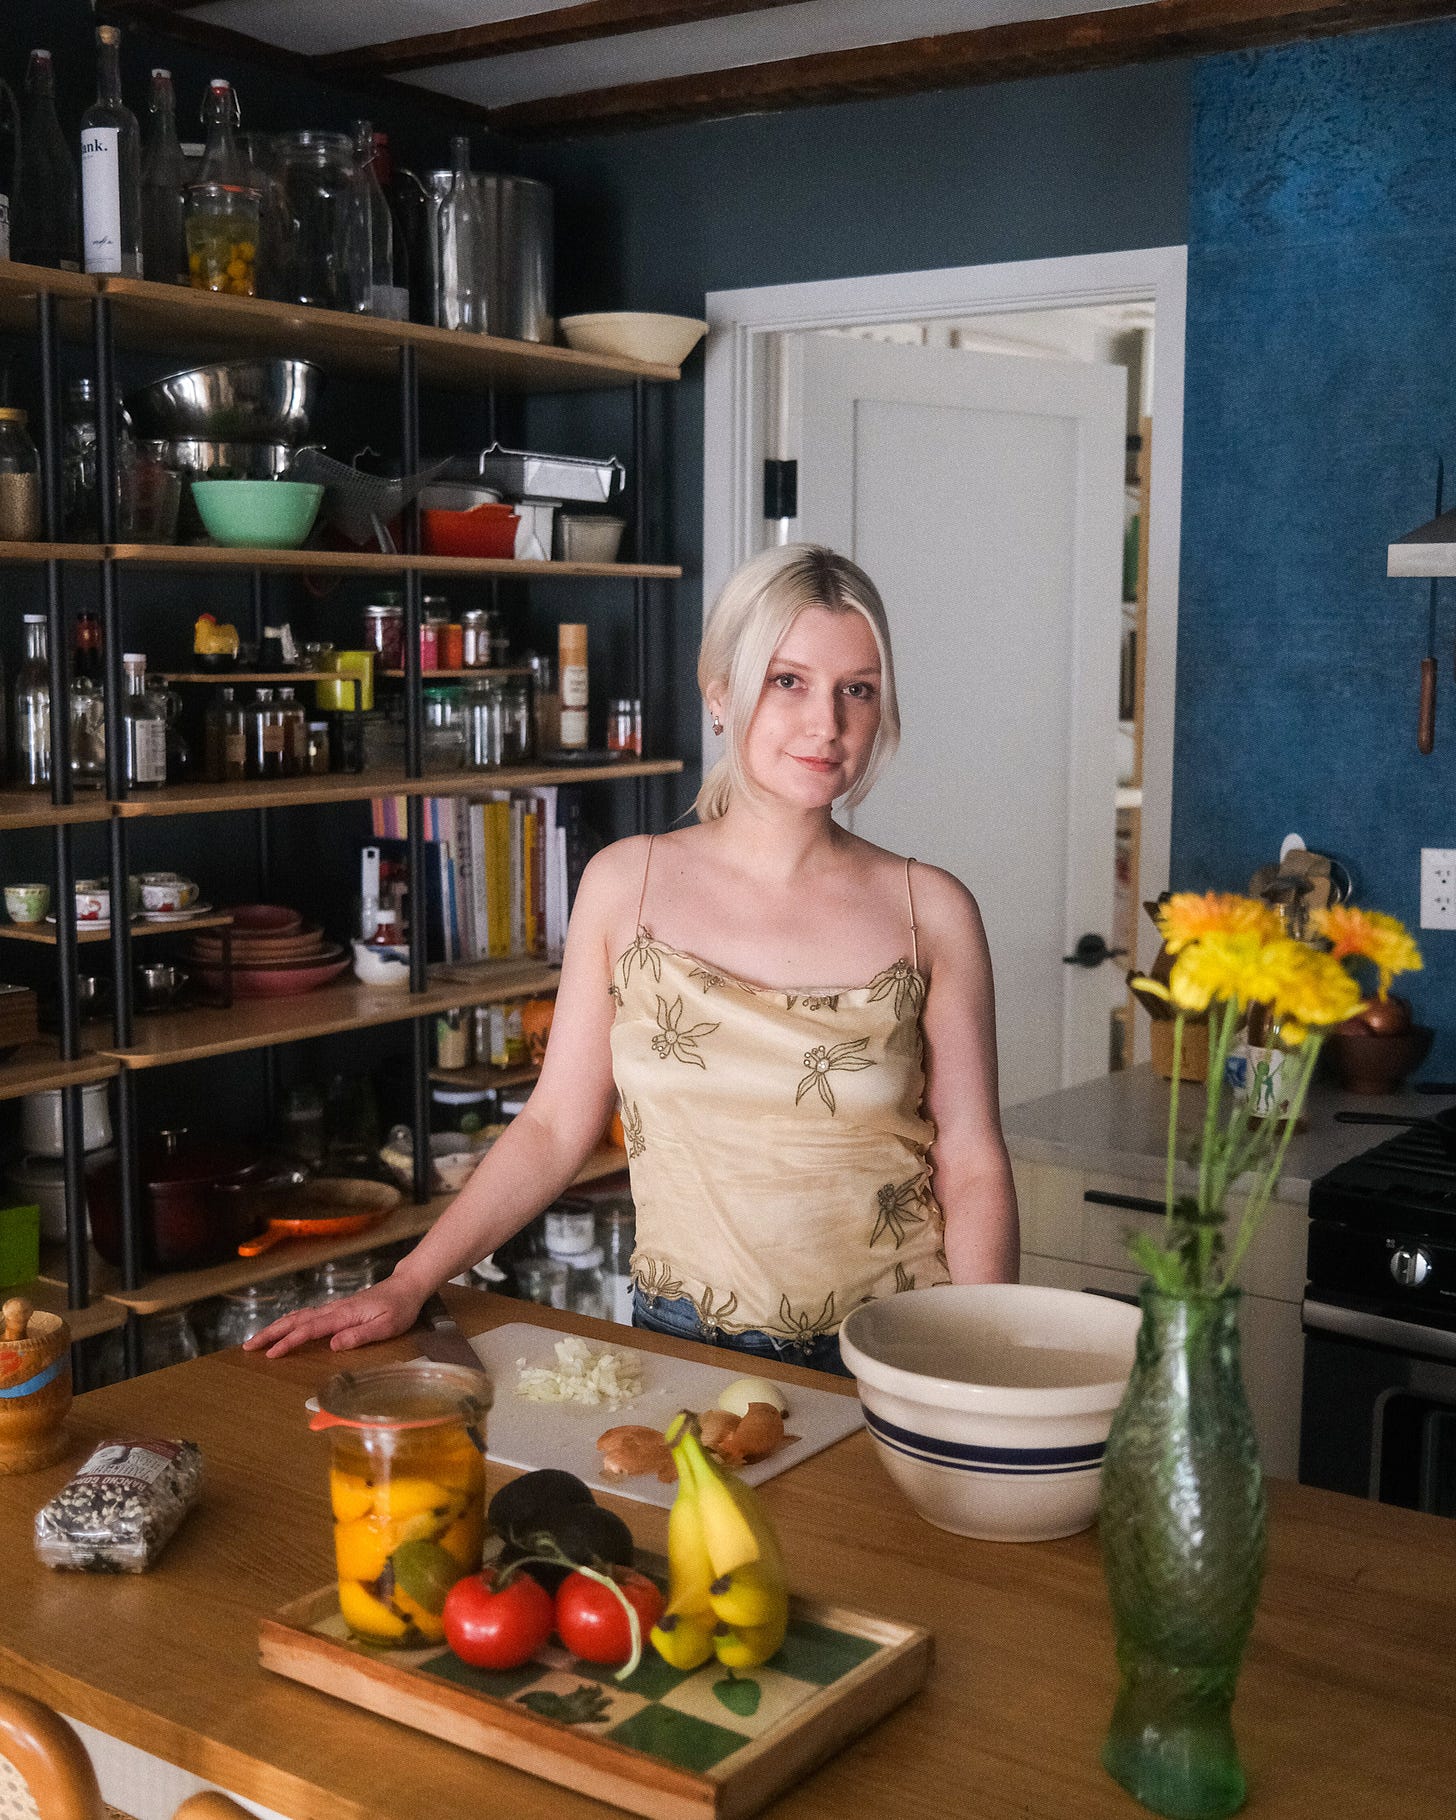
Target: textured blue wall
1321, 385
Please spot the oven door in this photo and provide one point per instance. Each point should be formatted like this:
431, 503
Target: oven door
1379, 1404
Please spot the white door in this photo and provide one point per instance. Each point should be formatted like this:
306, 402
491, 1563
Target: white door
984, 496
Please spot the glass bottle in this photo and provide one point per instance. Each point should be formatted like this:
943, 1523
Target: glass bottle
463, 247
80, 506
164, 176
316, 171
223, 160
9, 155
265, 736
88, 714
33, 707
46, 225
111, 170
144, 754
295, 734
385, 176
19, 479
378, 235
225, 740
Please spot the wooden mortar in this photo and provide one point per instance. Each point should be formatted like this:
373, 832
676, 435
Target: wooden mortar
35, 1386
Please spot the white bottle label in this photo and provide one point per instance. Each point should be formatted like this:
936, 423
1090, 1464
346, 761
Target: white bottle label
149, 749
101, 197
4, 225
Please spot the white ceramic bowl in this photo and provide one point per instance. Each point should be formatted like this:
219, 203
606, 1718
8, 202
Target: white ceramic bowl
990, 1403
635, 335
381, 966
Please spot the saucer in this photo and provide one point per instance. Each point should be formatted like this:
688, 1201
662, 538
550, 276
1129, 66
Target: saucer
175, 916
84, 923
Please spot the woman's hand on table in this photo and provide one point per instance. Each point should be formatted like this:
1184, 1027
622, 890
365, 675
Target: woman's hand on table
380, 1313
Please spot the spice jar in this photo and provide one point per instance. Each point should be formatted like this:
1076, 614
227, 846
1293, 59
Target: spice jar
475, 639
452, 1039
624, 726
406, 1468
19, 480
384, 632
451, 644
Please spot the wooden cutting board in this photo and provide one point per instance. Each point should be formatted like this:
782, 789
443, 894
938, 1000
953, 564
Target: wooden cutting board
520, 1432
667, 1744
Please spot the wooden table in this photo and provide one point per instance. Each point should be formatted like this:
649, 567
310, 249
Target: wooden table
1347, 1705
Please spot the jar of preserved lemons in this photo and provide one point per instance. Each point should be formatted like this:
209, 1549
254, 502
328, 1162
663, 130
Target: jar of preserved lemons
407, 1485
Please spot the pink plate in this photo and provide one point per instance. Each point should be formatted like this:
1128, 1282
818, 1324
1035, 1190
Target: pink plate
272, 982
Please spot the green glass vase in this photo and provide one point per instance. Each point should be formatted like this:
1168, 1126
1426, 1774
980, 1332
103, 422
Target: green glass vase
1182, 1527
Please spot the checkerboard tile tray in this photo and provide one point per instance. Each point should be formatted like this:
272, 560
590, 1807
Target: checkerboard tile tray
668, 1745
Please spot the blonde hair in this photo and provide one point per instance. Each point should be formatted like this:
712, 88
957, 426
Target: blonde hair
750, 620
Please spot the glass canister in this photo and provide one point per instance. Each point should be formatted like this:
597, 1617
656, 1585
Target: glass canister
222, 238
483, 710
407, 1485
19, 480
384, 631
321, 263
517, 726
340, 1277
444, 742
251, 1309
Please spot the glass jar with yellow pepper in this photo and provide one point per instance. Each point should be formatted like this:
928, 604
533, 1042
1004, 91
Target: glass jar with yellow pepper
407, 1486
222, 238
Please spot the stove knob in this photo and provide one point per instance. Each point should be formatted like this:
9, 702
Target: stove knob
1410, 1266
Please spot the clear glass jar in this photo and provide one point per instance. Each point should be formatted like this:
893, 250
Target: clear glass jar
19, 480
483, 710
80, 510
617, 1236
339, 1277
407, 1466
475, 639
250, 1309
320, 749
384, 633
624, 726
168, 1338
322, 264
517, 741
302, 1124
570, 1226
541, 1280
586, 1284
444, 741
222, 238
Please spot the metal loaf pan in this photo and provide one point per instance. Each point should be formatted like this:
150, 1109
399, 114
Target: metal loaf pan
522, 475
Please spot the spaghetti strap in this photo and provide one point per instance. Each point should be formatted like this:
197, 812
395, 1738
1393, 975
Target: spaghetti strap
646, 867
910, 904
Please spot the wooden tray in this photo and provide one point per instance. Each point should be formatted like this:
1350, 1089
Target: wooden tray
664, 1744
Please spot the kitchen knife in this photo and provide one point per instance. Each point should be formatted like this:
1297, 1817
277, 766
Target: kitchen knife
442, 1340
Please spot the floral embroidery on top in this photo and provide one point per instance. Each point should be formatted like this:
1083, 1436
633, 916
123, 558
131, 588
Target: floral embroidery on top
901, 1207
672, 1040
904, 982
708, 978
615, 991
829, 1002
653, 1276
632, 1131
646, 953
800, 1325
904, 1279
822, 1062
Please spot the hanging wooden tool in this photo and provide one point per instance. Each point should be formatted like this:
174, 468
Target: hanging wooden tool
1426, 726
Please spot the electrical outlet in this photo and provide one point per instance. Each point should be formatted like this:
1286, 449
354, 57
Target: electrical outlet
1438, 888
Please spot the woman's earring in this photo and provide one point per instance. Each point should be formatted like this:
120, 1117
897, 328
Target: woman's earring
717, 724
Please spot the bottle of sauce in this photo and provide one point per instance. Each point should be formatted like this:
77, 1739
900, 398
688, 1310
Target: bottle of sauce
571, 647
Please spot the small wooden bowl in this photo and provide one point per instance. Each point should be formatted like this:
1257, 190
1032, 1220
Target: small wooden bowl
1367, 1062
35, 1386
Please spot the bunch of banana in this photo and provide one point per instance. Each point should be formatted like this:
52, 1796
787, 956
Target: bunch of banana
726, 1592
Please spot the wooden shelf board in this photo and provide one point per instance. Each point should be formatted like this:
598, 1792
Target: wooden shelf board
52, 552
605, 1160
481, 1074
362, 786
246, 677
139, 930
361, 562
34, 809
38, 1065
189, 1036
100, 1315
475, 675
163, 315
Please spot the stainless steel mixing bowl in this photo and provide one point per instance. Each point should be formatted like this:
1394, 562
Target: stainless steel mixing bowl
230, 401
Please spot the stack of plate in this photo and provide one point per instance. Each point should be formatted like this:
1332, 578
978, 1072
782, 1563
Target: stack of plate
275, 954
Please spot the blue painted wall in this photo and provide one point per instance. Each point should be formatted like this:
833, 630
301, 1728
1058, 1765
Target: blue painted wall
1321, 385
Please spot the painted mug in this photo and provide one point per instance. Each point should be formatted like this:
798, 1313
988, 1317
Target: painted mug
27, 903
167, 891
93, 901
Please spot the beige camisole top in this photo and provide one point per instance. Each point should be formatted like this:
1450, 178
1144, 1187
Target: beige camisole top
776, 1140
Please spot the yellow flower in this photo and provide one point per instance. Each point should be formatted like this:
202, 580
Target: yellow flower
1307, 988
1369, 935
1189, 916
1219, 967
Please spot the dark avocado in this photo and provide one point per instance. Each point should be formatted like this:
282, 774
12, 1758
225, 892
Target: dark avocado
534, 1500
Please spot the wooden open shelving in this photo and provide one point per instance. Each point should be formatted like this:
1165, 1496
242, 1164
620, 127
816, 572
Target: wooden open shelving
259, 1023
101, 1314
38, 1065
46, 934
331, 562
34, 809
178, 1288
481, 1074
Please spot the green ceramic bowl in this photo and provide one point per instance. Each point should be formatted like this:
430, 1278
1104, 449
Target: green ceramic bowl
257, 514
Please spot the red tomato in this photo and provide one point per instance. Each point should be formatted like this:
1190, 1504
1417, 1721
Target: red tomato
490, 1629
590, 1619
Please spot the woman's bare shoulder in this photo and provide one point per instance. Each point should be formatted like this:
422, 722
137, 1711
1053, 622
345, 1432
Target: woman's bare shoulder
946, 912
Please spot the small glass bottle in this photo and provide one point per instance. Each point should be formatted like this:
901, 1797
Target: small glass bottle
226, 740
463, 247
617, 1235
295, 734
319, 748
19, 480
111, 170
33, 707
624, 726
474, 639
88, 715
545, 703
144, 759
378, 232
266, 737
45, 227
223, 220
164, 175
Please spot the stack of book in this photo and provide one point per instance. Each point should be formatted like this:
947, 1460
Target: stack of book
496, 872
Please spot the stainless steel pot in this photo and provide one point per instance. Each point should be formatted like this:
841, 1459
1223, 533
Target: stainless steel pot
40, 1120
267, 400
518, 274
205, 460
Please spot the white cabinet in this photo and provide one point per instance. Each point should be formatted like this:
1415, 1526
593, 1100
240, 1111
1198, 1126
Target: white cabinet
1074, 1229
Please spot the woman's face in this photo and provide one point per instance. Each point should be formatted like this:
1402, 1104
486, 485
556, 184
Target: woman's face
814, 728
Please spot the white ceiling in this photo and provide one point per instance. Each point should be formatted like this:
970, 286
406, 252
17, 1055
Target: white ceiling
726, 43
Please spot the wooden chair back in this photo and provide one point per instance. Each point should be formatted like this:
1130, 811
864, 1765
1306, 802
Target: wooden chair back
45, 1773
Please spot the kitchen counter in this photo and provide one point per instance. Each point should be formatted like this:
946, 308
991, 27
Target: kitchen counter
1118, 1125
1347, 1704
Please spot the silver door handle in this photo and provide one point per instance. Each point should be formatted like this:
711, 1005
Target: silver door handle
1380, 1330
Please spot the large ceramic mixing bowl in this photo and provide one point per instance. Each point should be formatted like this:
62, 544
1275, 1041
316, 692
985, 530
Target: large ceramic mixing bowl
990, 1403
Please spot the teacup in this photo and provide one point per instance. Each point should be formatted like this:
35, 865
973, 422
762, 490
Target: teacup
27, 903
93, 901
167, 891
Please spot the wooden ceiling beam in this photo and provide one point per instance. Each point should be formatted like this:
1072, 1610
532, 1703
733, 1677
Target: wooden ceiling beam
1153, 30
530, 32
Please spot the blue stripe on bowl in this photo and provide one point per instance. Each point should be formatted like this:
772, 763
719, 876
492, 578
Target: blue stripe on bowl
965, 1456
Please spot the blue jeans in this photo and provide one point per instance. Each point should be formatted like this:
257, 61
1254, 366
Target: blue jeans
677, 1316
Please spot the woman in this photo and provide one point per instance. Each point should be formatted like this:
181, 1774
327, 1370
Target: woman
790, 1156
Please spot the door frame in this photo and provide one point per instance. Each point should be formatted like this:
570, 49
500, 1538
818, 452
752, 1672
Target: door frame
735, 437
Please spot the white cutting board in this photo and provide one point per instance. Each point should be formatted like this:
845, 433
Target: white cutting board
523, 1433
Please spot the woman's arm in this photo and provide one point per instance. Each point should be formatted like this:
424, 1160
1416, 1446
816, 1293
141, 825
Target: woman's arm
972, 1168
534, 1159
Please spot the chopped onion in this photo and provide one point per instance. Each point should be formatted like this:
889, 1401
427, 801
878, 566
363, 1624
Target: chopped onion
604, 1379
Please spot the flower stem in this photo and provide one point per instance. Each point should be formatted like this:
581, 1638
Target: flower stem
1178, 1024
1263, 1190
